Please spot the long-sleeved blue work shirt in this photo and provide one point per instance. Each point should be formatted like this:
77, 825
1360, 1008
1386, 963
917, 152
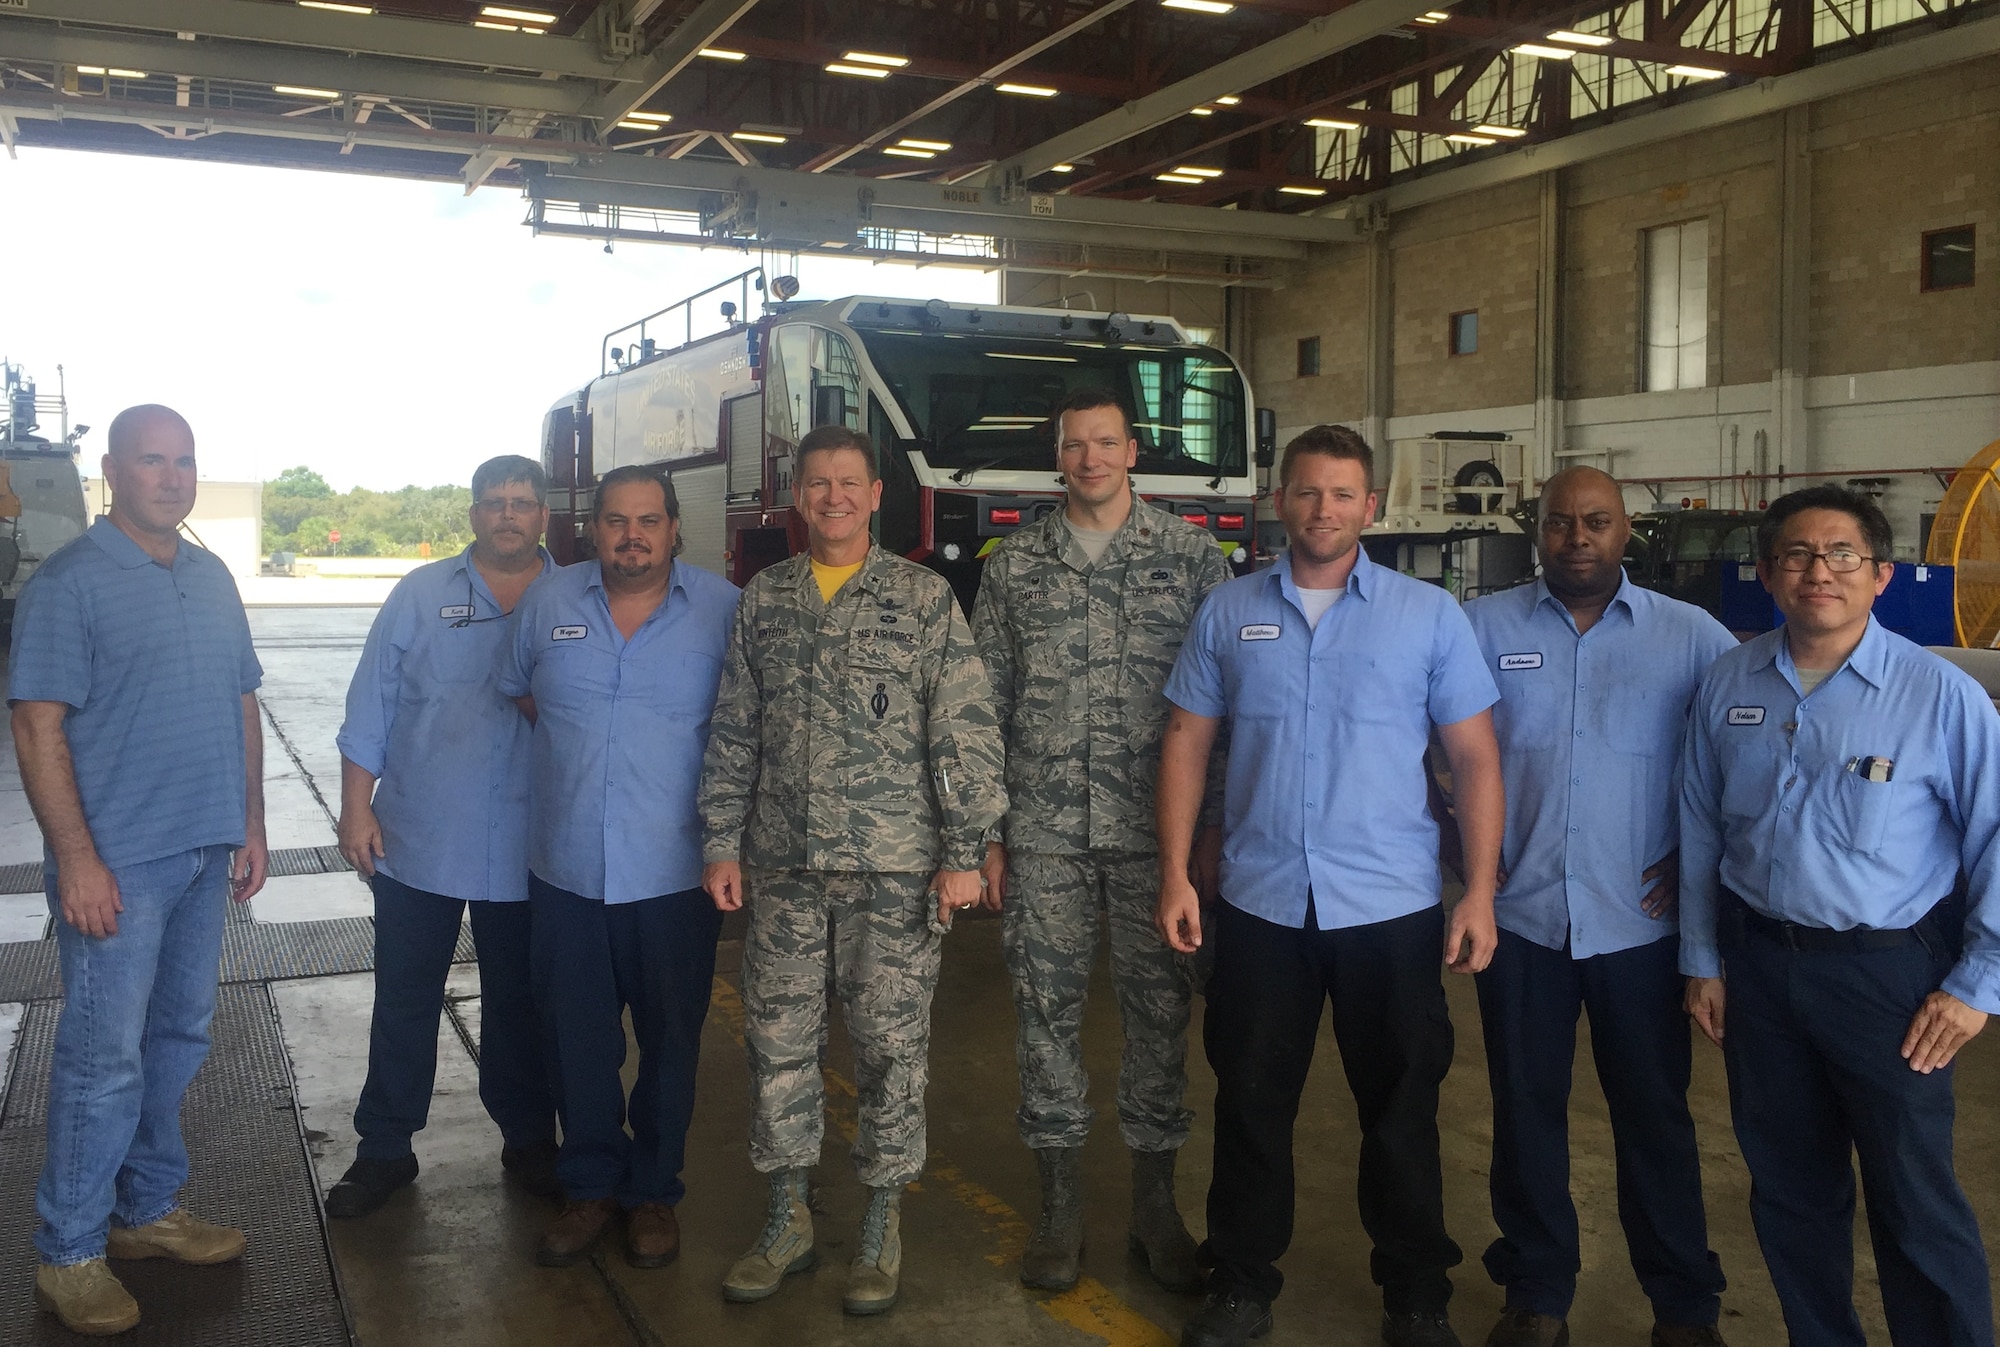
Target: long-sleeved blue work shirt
1777, 805
620, 729
1590, 730
425, 716
1328, 726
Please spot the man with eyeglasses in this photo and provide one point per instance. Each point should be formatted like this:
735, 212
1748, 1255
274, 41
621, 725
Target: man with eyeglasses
1838, 781
434, 814
616, 661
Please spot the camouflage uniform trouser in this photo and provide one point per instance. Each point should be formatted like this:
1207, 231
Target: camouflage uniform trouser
1049, 933
871, 933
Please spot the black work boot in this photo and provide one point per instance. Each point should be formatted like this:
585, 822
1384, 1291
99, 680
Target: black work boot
1227, 1319
1056, 1247
1158, 1234
367, 1184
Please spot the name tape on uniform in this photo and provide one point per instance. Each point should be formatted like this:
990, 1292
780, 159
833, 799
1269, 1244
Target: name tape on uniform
1529, 660
1746, 715
451, 610
575, 633
1260, 631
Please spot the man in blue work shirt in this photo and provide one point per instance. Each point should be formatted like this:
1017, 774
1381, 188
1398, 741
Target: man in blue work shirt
1838, 782
133, 688
1596, 676
445, 831
1332, 673
617, 662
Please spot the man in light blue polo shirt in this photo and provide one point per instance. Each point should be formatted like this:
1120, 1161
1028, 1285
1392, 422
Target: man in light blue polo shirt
1332, 673
617, 661
1838, 787
446, 831
1595, 677
133, 688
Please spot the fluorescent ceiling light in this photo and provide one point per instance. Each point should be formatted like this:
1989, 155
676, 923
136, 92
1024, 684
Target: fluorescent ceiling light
660, 117
721, 54
1198, 172
761, 137
335, 7
1424, 19
1062, 168
1181, 178
1466, 138
868, 71
90, 70
1579, 39
1542, 53
1436, 15
1331, 125
126, 74
519, 15
497, 27
939, 145
1030, 90
1023, 355
906, 152
1303, 191
1201, 112
1228, 101
299, 91
631, 125
1198, 6
871, 58
1503, 132
1696, 72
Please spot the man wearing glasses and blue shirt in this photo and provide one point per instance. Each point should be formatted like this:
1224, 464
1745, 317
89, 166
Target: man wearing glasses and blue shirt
1838, 788
446, 830
617, 662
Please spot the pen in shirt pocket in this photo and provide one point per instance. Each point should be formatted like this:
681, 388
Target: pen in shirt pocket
1871, 768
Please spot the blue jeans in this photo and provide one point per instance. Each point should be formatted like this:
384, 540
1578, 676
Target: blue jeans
133, 1032
416, 934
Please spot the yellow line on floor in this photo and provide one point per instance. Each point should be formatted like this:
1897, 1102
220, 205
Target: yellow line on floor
1090, 1306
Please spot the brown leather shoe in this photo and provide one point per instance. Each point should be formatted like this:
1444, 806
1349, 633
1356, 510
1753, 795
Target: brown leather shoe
571, 1235
86, 1297
178, 1235
652, 1235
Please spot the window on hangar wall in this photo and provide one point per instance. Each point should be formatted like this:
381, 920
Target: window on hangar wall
1948, 258
1464, 332
1308, 357
1676, 307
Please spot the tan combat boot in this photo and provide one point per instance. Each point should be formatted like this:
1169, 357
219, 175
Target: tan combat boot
784, 1247
86, 1297
873, 1276
178, 1235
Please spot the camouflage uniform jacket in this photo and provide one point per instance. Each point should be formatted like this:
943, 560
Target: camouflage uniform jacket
851, 735
1079, 655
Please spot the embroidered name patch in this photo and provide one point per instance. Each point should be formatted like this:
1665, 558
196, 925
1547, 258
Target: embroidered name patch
1529, 660
455, 610
575, 633
1746, 715
1260, 631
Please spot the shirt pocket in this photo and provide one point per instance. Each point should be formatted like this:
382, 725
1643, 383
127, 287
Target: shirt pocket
1533, 711
455, 656
681, 684
1861, 810
886, 721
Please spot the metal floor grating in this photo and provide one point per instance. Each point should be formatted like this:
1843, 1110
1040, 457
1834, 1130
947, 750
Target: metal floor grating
26, 877
249, 1169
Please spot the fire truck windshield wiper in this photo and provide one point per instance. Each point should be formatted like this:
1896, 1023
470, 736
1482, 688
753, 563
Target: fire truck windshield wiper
965, 472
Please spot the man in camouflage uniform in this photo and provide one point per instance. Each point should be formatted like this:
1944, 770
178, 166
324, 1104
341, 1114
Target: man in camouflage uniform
851, 779
1079, 618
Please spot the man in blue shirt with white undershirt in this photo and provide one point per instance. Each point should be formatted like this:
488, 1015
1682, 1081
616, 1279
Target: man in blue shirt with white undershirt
617, 662
1332, 672
1838, 788
446, 831
1596, 676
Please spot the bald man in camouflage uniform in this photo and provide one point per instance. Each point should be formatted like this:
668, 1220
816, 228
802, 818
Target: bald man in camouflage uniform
1079, 618
852, 777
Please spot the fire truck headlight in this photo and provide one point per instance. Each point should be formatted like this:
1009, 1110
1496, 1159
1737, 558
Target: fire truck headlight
951, 551
1239, 556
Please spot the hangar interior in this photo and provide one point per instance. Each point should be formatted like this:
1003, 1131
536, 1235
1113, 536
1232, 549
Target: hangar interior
1718, 247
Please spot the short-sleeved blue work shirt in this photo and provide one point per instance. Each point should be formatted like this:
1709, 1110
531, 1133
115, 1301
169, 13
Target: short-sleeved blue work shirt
620, 729
153, 663
425, 716
1590, 730
1777, 804
1326, 784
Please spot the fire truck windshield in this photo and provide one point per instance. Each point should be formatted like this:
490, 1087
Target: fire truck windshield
986, 402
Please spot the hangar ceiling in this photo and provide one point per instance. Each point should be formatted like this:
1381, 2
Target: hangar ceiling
1108, 136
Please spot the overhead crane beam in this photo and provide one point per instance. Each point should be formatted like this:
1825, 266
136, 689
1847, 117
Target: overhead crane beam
647, 74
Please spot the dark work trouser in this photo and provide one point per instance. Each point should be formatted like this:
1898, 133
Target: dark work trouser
416, 933
1529, 1000
1813, 1043
1389, 1018
593, 961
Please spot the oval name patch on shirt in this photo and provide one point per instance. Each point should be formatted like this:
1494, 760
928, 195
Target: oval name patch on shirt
1746, 715
1531, 659
1260, 631
573, 633
451, 610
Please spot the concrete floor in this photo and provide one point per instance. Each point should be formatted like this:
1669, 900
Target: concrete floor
448, 1261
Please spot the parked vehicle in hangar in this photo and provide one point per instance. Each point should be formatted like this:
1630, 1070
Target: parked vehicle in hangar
956, 397
41, 493
1683, 553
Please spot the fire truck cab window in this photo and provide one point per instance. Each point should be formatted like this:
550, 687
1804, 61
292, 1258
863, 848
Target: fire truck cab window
809, 360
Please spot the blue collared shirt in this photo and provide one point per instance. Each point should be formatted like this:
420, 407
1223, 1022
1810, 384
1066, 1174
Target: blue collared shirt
1590, 731
425, 716
154, 663
1328, 726
1771, 811
620, 729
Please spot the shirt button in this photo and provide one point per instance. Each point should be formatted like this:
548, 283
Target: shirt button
1579, 734
1576, 781
1573, 828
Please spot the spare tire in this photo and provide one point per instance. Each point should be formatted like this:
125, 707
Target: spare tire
1479, 472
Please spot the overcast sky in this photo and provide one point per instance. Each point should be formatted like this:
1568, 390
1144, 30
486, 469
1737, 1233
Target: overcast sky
382, 332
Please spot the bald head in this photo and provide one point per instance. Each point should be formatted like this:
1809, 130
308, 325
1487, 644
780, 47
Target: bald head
1582, 538
142, 424
1581, 479
150, 469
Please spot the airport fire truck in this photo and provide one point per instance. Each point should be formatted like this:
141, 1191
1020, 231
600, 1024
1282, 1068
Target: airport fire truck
957, 398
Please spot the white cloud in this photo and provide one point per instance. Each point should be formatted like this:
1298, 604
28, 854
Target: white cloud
380, 331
